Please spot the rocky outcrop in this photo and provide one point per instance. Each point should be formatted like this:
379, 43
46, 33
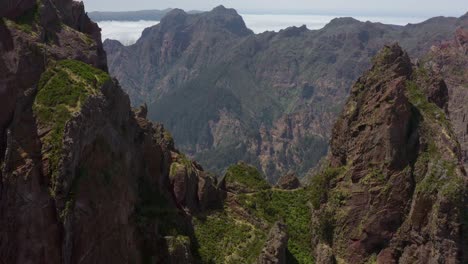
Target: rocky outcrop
394, 171
84, 178
29, 40
276, 245
269, 99
193, 188
450, 60
288, 182
244, 178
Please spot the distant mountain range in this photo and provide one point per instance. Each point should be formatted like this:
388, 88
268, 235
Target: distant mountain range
86, 178
131, 15
228, 94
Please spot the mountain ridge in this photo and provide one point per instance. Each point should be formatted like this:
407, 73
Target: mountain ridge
299, 77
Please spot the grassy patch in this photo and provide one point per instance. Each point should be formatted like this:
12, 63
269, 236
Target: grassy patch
225, 239
434, 174
293, 208
428, 109
321, 183
62, 90
182, 163
375, 176
247, 176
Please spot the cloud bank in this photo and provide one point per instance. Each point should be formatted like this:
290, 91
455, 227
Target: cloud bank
129, 32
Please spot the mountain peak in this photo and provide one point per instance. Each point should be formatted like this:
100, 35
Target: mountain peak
220, 8
223, 11
393, 57
176, 12
340, 21
465, 16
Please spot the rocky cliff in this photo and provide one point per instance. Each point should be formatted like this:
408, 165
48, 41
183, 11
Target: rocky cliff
450, 60
84, 178
395, 189
270, 99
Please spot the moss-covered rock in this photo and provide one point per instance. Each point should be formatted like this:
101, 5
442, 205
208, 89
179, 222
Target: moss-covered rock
241, 178
62, 90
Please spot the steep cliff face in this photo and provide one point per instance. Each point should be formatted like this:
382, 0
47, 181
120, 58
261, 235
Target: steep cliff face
450, 60
84, 178
270, 99
395, 187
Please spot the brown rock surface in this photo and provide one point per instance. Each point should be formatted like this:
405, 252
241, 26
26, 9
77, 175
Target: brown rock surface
89, 183
450, 60
394, 185
276, 245
288, 182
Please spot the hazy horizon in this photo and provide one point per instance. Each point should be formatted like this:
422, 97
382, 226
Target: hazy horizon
128, 32
329, 7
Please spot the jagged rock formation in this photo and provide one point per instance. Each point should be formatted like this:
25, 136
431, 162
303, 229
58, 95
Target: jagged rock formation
450, 60
395, 189
84, 179
276, 246
270, 99
288, 182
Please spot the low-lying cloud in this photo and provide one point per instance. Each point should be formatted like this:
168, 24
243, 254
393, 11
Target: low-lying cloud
128, 32
262, 23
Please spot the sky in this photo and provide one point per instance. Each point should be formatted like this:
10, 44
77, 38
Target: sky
357, 7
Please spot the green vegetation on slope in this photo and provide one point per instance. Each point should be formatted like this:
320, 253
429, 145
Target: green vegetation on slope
247, 176
62, 90
419, 100
292, 207
321, 184
224, 238
440, 176
249, 216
